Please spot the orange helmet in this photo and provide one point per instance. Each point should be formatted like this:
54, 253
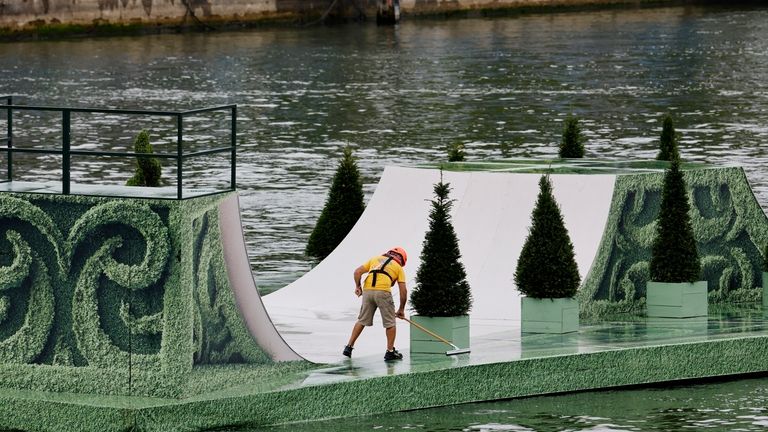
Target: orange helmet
399, 254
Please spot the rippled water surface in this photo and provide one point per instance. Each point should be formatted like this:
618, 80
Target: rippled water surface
401, 95
731, 406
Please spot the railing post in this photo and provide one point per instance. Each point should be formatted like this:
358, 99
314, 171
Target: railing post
9, 130
233, 143
65, 142
179, 154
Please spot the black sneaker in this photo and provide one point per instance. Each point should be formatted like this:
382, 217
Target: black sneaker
347, 351
392, 355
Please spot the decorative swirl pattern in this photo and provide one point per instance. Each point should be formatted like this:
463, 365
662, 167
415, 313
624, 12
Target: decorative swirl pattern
146, 325
729, 226
25, 344
86, 281
140, 217
15, 208
14, 274
5, 304
28, 342
95, 345
219, 336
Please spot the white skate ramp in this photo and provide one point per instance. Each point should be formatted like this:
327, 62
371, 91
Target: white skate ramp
491, 215
243, 287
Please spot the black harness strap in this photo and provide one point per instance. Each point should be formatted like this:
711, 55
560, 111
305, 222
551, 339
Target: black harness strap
381, 270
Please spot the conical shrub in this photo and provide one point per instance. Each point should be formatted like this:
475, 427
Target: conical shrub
572, 145
148, 169
547, 266
668, 141
342, 209
675, 257
441, 287
456, 153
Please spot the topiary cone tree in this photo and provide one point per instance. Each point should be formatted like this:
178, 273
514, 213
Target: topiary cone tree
441, 287
572, 145
673, 290
148, 170
668, 141
675, 257
546, 268
342, 209
456, 153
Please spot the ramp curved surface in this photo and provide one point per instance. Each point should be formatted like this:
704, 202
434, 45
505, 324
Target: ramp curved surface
491, 216
243, 286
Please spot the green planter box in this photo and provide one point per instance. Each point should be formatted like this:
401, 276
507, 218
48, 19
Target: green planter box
455, 329
676, 300
558, 316
765, 290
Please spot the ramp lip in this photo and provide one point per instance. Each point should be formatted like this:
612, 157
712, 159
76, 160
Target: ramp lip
233, 233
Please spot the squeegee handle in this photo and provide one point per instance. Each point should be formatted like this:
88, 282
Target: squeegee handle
436, 336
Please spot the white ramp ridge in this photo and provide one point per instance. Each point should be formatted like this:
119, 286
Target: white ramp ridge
241, 280
491, 216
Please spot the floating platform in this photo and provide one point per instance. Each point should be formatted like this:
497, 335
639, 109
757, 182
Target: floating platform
141, 312
501, 366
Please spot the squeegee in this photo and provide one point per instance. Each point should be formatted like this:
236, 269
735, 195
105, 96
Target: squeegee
455, 351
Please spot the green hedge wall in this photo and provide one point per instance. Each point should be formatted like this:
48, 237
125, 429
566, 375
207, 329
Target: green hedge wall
114, 296
220, 337
729, 227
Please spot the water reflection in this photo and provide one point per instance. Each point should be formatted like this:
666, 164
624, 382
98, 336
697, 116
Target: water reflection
402, 95
737, 405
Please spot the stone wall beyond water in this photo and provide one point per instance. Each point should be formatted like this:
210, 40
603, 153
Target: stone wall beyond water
29, 14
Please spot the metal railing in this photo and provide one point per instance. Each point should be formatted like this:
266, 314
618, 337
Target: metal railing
66, 135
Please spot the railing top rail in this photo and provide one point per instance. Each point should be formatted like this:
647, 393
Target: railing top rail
207, 109
116, 111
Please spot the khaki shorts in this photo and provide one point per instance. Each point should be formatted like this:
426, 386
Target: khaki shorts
373, 299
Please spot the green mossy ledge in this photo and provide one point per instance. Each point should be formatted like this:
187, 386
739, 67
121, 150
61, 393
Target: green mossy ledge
729, 227
243, 409
114, 296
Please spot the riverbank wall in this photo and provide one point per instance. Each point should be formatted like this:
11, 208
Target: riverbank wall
50, 18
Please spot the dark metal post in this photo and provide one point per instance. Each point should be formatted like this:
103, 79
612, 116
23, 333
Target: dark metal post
10, 137
233, 143
179, 153
65, 141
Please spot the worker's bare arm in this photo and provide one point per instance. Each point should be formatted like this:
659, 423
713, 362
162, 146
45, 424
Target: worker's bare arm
403, 299
359, 274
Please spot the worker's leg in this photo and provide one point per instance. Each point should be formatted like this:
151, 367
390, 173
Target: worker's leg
356, 330
391, 333
364, 318
387, 308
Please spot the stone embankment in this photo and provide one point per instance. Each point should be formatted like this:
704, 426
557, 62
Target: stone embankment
50, 17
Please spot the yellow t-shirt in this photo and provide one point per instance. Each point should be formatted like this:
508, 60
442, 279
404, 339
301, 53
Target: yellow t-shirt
383, 283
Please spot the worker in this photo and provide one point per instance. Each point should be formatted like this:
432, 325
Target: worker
383, 271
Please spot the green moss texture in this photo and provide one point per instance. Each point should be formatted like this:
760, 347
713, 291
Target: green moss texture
242, 408
728, 224
114, 296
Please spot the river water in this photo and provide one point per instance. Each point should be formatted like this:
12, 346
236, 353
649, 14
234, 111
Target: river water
727, 406
401, 96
